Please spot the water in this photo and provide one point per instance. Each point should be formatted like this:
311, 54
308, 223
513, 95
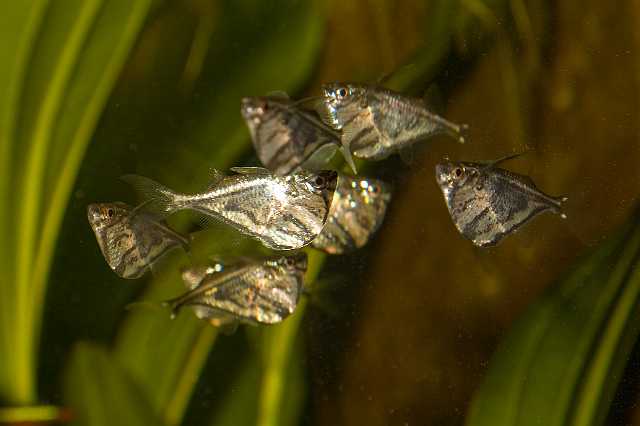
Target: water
402, 331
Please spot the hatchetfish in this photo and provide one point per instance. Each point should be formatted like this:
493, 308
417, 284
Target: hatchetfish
282, 212
192, 278
260, 291
487, 203
376, 122
131, 240
358, 209
287, 137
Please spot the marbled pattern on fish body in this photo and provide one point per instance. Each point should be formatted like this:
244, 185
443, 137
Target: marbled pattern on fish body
282, 212
130, 240
487, 203
286, 136
262, 291
358, 209
377, 122
192, 277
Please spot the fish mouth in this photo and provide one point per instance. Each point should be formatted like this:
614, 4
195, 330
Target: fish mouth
251, 107
329, 92
443, 172
93, 212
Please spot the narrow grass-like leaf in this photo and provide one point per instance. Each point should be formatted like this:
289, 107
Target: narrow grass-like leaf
561, 362
19, 23
61, 61
62, 36
81, 79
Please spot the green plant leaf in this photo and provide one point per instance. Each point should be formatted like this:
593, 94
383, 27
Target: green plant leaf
102, 393
19, 23
242, 404
62, 60
562, 360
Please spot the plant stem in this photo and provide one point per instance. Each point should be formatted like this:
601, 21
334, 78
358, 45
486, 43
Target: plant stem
279, 348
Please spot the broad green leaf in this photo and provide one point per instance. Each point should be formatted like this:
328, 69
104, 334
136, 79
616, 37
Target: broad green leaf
562, 360
102, 393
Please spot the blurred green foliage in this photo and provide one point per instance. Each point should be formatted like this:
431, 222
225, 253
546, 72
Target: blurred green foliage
63, 60
562, 360
93, 89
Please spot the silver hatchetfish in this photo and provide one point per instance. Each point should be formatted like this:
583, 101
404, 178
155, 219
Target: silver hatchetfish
358, 209
282, 212
376, 122
260, 291
487, 203
130, 239
287, 137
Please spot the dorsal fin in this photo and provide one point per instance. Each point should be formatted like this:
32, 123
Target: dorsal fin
251, 170
278, 94
384, 78
501, 160
215, 176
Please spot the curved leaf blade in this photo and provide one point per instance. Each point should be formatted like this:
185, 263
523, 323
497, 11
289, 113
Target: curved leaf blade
19, 24
555, 366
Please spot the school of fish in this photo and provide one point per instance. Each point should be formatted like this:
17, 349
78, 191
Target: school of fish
296, 200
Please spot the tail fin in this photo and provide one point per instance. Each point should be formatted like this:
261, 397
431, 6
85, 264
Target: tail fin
463, 133
156, 197
145, 304
561, 200
457, 131
174, 305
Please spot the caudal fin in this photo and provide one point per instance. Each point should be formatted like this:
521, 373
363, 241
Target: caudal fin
155, 197
457, 131
154, 306
462, 133
560, 202
173, 305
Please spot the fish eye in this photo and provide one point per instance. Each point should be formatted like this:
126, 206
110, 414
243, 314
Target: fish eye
110, 212
341, 92
290, 262
457, 172
320, 182
374, 189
